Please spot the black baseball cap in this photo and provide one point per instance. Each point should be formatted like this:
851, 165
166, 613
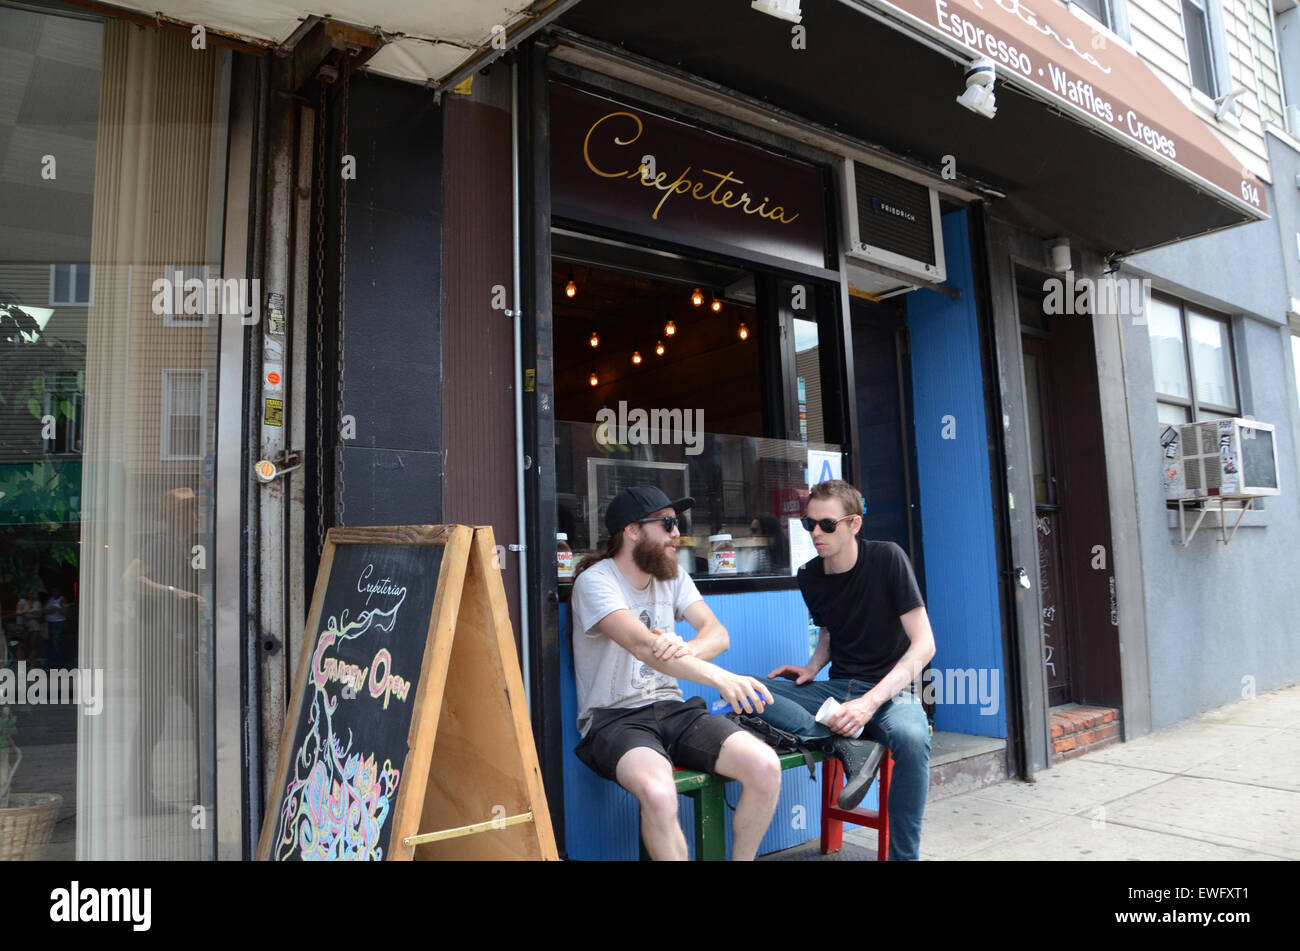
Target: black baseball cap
637, 502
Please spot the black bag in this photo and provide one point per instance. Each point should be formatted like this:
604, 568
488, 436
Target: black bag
780, 740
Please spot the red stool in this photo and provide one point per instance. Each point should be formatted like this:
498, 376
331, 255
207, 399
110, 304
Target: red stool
833, 817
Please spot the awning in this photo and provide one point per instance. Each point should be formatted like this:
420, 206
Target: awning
438, 42
1042, 47
1062, 166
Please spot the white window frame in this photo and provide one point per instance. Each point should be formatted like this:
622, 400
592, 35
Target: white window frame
1220, 74
164, 438
73, 271
1192, 403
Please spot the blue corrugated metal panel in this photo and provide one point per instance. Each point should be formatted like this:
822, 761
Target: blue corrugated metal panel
956, 501
767, 628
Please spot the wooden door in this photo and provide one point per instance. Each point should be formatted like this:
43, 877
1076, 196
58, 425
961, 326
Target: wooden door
1041, 410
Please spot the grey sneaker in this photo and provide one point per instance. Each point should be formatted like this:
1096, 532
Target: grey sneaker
861, 759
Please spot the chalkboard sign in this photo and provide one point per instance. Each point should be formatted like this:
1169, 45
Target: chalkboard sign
393, 611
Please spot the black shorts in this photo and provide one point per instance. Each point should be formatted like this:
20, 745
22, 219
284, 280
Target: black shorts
682, 732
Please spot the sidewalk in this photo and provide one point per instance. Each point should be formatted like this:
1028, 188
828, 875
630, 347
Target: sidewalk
1221, 786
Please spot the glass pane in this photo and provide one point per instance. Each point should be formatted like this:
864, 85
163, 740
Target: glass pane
808, 380
1096, 7
98, 583
706, 367
62, 284
1168, 356
186, 393
1198, 48
1212, 360
1171, 414
83, 283
1037, 453
745, 487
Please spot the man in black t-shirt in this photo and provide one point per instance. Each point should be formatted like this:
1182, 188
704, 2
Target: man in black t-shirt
876, 634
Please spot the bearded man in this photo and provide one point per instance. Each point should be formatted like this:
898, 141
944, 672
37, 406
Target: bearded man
634, 723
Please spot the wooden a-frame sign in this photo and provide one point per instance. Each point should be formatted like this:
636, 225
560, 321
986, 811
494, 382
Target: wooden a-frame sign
407, 735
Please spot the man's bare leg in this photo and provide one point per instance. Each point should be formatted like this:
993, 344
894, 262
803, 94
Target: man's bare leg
648, 776
751, 761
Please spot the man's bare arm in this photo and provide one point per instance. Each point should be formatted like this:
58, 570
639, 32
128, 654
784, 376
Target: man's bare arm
742, 692
711, 638
916, 625
853, 715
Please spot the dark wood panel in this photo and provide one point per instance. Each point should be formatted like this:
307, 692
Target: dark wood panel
478, 345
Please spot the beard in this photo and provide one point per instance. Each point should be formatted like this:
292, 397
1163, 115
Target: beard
654, 559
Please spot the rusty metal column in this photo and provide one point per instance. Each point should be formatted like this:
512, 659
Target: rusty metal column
296, 383
272, 443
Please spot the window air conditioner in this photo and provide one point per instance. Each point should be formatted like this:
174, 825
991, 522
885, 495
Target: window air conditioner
1220, 458
893, 239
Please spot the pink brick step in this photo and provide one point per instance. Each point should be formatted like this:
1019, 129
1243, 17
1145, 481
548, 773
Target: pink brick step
1079, 729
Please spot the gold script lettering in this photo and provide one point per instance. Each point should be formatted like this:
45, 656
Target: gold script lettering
682, 185
586, 152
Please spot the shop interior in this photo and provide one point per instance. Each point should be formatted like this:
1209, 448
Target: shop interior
701, 378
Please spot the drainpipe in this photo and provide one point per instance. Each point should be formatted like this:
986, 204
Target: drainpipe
521, 461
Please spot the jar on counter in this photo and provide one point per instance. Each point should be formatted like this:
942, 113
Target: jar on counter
686, 554
563, 556
722, 555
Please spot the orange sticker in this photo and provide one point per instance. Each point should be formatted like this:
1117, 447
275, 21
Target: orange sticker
273, 378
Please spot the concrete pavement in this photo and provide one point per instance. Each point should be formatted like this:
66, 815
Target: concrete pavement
1221, 786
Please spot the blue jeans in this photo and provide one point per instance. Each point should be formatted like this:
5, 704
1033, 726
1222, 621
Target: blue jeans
900, 724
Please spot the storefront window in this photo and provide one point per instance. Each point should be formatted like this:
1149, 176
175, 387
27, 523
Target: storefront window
716, 399
116, 146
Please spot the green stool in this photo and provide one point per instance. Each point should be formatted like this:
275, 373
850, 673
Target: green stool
711, 807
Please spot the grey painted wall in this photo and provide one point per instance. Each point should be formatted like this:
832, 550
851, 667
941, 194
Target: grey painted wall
1285, 205
1217, 614
1239, 269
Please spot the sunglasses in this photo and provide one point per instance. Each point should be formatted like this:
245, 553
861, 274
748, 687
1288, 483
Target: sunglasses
670, 522
827, 525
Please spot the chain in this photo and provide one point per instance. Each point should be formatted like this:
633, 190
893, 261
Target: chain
343, 270
321, 129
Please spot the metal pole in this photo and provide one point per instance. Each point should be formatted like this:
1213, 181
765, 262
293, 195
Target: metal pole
517, 317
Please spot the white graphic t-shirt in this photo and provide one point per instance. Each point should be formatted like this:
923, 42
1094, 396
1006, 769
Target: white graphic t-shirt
608, 675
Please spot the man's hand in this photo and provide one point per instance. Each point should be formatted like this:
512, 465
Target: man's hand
800, 675
852, 715
745, 694
198, 599
668, 645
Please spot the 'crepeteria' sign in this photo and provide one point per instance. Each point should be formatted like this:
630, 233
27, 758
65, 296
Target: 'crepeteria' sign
637, 171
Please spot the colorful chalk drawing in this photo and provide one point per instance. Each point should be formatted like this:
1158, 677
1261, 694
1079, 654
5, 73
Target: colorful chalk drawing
337, 803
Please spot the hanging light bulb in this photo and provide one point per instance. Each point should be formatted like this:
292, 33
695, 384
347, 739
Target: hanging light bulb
659, 348
570, 289
716, 305
595, 339
593, 379
636, 357
670, 328
697, 297
742, 331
